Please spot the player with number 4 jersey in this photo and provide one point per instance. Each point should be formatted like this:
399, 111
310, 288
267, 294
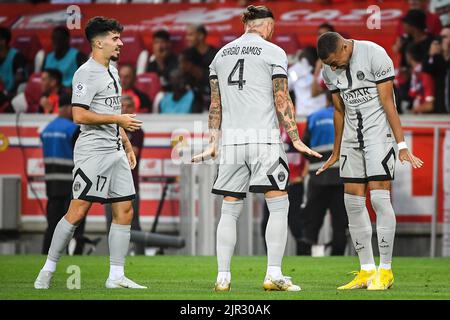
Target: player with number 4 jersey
249, 100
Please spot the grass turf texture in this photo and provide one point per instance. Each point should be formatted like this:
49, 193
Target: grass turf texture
186, 278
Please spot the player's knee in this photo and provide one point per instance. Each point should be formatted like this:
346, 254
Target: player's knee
76, 216
278, 205
232, 208
127, 214
354, 204
381, 203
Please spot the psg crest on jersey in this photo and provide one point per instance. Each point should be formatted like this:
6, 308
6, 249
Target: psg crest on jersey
360, 75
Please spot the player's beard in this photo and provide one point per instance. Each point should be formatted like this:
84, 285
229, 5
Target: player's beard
114, 58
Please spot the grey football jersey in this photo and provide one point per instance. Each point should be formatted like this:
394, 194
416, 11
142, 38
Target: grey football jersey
98, 89
245, 68
365, 121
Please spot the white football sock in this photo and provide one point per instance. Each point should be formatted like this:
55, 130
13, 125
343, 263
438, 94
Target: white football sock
116, 272
386, 266
274, 272
226, 233
61, 237
360, 228
224, 276
119, 242
386, 223
276, 233
368, 267
49, 265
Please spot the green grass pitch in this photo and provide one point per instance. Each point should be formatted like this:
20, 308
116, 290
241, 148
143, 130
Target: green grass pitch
186, 278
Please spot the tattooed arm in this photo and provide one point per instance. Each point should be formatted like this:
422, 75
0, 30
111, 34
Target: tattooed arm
214, 123
286, 115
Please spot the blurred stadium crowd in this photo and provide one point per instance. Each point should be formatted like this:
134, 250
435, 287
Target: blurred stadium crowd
174, 77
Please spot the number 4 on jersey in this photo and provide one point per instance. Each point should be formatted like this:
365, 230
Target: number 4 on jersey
240, 82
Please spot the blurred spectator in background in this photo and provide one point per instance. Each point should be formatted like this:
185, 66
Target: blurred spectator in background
162, 61
141, 100
196, 38
137, 142
12, 65
52, 91
318, 85
197, 79
301, 79
325, 192
64, 58
180, 99
414, 25
58, 140
433, 22
324, 27
421, 88
437, 63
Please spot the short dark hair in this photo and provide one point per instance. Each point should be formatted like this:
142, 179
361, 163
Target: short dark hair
447, 26
327, 44
416, 51
200, 28
161, 34
327, 26
256, 12
62, 30
129, 65
310, 54
416, 18
193, 56
101, 26
54, 74
5, 34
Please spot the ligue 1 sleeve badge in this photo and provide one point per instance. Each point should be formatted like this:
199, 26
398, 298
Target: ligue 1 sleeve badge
4, 142
80, 89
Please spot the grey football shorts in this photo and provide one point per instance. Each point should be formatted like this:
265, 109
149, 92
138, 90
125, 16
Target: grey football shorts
103, 178
372, 163
257, 167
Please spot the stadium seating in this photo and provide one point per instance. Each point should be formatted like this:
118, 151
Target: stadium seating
135, 53
31, 48
80, 42
288, 42
178, 42
33, 93
148, 83
228, 38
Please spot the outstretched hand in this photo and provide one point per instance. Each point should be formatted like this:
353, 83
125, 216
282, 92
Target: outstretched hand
210, 152
406, 155
302, 148
331, 160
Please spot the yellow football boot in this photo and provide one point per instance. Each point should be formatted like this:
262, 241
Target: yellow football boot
383, 280
282, 284
222, 286
361, 281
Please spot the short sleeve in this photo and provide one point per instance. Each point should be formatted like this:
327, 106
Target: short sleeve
279, 64
328, 84
212, 69
83, 90
382, 66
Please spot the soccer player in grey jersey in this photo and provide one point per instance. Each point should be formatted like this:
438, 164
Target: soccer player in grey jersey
103, 155
360, 76
248, 79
